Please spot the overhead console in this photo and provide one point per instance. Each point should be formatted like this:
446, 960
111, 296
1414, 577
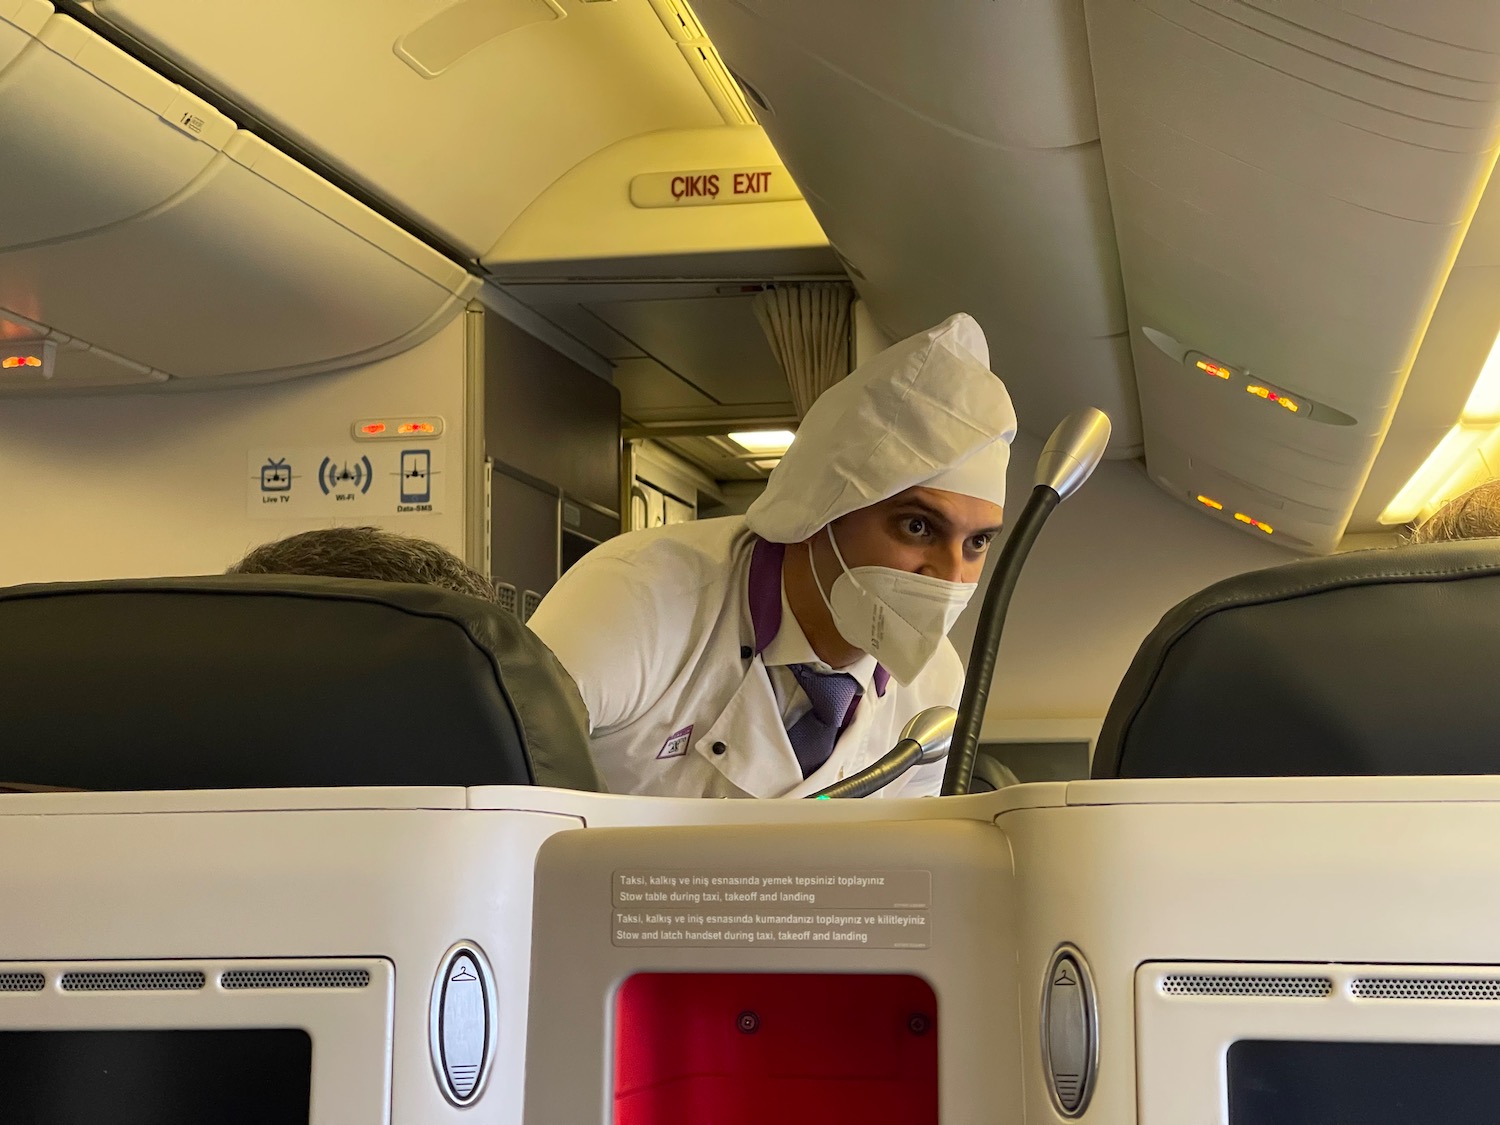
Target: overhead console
1290, 183
155, 245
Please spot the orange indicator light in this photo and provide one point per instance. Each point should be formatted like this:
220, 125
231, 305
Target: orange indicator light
416, 428
11, 362
1272, 396
1217, 369
1214, 504
373, 428
1255, 523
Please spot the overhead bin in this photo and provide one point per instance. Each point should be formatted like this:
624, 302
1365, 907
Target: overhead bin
679, 203
83, 138
458, 113
949, 150
160, 245
1290, 183
20, 20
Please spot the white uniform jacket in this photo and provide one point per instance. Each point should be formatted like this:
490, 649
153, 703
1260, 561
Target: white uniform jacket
656, 628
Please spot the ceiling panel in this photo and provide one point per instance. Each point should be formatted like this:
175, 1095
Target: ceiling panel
713, 343
716, 458
650, 392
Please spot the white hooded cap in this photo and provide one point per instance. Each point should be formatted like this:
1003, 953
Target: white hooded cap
927, 411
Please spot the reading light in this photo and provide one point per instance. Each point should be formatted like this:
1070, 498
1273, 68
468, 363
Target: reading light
763, 441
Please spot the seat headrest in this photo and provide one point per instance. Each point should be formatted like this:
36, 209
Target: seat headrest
275, 681
1380, 662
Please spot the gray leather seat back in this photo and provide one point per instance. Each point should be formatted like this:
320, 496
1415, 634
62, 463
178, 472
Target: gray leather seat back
238, 681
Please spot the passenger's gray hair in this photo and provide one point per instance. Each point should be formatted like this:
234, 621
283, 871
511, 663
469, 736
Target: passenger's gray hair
366, 552
1472, 515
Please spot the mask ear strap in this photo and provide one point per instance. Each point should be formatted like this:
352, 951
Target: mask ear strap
812, 564
834, 543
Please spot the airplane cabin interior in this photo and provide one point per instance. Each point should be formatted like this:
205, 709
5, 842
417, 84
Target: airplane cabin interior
1217, 840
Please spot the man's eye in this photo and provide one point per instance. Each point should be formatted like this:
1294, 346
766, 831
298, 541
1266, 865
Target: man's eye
980, 543
916, 526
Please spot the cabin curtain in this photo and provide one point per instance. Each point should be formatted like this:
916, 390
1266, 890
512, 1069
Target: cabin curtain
808, 329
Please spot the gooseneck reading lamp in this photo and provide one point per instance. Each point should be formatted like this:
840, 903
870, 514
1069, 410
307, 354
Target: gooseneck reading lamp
924, 739
1067, 460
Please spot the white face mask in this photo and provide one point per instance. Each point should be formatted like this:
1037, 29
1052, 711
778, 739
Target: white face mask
898, 617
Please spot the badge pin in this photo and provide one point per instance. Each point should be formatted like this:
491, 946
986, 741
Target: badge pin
676, 745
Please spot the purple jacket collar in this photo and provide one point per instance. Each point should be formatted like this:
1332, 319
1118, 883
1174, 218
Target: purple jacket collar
765, 601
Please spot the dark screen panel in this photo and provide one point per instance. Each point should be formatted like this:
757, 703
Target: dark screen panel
247, 1076
1276, 1082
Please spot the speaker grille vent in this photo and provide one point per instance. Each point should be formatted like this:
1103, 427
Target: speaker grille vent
22, 982
295, 978
1239, 984
139, 980
1416, 988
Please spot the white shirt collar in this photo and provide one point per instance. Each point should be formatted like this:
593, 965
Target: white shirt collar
791, 646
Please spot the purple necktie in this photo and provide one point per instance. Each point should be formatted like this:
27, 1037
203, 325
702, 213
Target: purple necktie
832, 695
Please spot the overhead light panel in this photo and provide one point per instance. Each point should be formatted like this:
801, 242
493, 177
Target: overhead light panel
1425, 489
1289, 402
1439, 477
1484, 400
764, 441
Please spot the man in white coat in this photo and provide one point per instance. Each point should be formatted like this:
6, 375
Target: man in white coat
773, 654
